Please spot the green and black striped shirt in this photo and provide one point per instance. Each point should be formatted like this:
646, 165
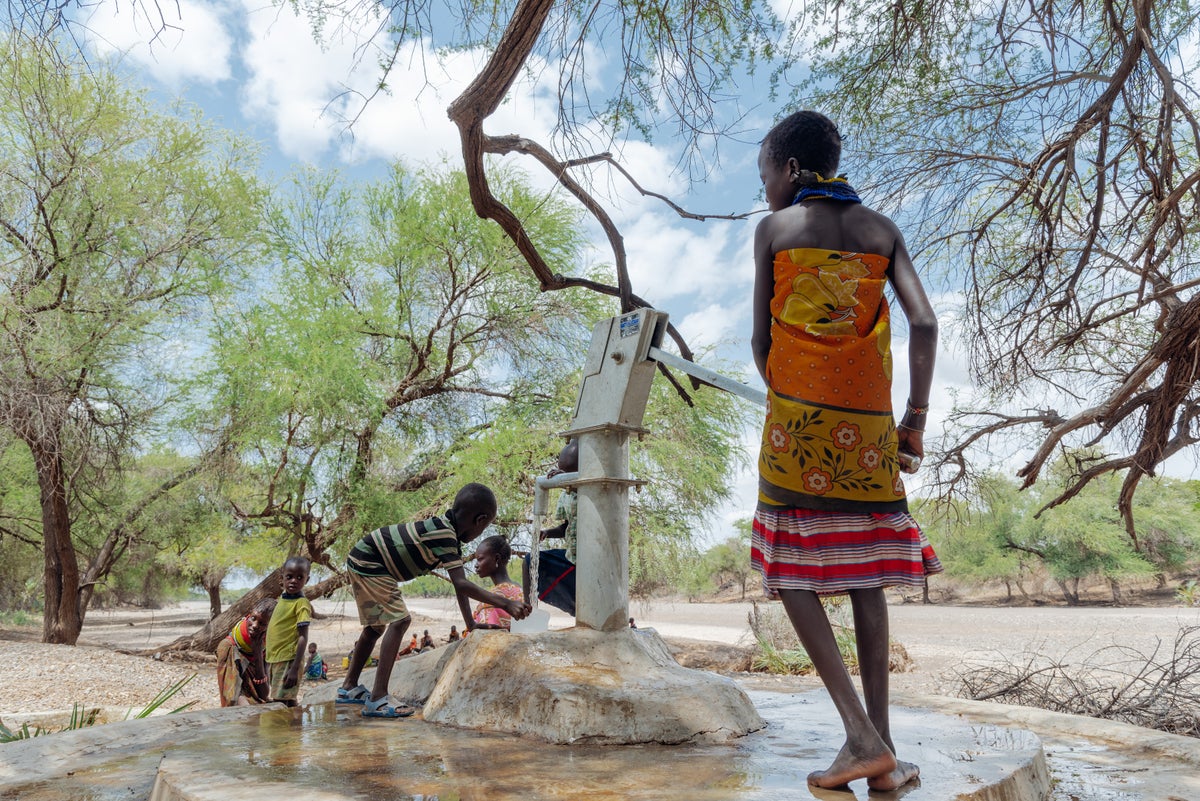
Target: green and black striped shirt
408, 550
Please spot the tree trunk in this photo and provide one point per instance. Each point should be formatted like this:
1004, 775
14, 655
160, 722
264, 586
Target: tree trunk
214, 598
62, 617
215, 630
1115, 586
1008, 590
1072, 598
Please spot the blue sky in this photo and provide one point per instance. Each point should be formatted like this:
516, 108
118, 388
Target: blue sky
255, 68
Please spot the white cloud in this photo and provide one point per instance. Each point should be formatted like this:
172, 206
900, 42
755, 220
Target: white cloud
311, 92
712, 324
290, 80
672, 261
189, 43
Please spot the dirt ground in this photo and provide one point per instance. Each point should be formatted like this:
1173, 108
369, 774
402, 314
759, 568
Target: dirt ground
941, 639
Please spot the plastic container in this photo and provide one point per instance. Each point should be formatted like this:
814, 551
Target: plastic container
538, 620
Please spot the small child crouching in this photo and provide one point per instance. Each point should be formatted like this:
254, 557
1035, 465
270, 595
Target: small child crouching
241, 672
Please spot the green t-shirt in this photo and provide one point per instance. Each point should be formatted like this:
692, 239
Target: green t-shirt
283, 632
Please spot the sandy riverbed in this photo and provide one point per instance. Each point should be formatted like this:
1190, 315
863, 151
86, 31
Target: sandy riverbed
941, 639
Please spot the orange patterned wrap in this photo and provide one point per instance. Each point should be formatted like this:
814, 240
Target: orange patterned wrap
829, 441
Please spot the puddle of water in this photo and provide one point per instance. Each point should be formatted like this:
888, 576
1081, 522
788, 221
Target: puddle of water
326, 749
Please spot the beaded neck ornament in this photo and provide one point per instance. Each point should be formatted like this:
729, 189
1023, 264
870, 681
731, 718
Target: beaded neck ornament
831, 188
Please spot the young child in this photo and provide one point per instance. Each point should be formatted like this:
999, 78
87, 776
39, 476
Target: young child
427, 643
454, 636
556, 566
241, 672
315, 669
491, 562
383, 559
832, 516
287, 636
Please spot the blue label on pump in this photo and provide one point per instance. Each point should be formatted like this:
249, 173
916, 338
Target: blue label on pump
631, 324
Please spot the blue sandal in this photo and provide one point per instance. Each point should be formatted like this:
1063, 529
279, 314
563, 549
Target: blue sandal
381, 709
359, 695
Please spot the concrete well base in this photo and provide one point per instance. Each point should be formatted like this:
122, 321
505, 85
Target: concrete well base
585, 686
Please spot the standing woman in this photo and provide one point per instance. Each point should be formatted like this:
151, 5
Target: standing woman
832, 517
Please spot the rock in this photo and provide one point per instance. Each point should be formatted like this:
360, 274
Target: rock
581, 685
714, 656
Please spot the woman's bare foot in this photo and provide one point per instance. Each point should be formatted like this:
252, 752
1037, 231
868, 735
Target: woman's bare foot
902, 774
848, 766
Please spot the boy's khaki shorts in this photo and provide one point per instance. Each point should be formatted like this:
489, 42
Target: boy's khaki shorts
379, 600
278, 671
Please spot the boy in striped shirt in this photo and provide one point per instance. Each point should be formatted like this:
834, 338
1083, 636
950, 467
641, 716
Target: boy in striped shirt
388, 556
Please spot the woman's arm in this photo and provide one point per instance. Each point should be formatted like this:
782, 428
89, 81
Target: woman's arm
922, 345
764, 289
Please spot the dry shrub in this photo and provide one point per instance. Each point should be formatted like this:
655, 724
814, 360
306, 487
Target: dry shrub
1158, 690
779, 649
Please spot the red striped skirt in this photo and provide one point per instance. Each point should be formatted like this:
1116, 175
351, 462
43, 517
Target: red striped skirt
834, 552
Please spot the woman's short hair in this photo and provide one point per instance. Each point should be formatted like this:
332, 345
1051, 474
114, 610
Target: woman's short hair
809, 137
498, 544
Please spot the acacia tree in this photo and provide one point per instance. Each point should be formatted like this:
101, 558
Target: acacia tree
391, 330
1047, 152
680, 66
397, 348
114, 221
1050, 147
997, 536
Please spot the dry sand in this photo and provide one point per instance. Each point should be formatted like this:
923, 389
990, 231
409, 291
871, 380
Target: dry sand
941, 640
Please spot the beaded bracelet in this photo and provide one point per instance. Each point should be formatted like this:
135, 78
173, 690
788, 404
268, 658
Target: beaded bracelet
916, 411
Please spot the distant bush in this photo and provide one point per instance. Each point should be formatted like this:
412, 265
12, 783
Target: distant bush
19, 617
780, 651
429, 587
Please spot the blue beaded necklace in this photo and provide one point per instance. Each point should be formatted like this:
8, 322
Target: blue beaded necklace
831, 188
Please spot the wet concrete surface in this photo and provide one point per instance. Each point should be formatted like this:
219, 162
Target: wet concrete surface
327, 752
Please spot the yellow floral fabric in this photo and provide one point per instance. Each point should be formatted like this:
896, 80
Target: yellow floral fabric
829, 440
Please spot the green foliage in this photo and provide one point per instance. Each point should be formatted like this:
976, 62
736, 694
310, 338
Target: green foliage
689, 460
779, 649
122, 225
164, 695
18, 617
1005, 533
974, 542
724, 565
397, 349
338, 356
1188, 593
429, 587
